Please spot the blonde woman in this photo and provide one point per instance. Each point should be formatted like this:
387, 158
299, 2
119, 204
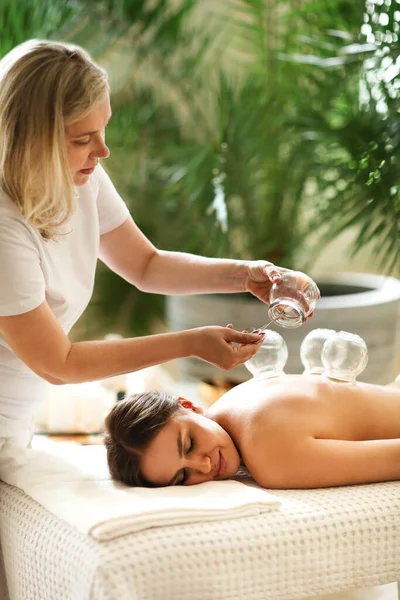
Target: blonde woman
59, 213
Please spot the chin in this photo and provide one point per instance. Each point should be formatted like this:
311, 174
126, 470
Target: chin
233, 465
80, 179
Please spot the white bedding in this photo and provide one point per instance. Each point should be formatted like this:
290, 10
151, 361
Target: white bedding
318, 542
73, 483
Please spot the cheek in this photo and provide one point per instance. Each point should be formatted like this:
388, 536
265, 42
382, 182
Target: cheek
230, 453
219, 434
77, 155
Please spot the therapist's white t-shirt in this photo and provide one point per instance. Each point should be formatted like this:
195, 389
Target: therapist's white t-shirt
59, 271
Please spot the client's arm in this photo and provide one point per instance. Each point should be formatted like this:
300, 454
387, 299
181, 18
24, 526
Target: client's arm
395, 383
313, 463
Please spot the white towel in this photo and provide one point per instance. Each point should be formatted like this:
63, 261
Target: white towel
73, 483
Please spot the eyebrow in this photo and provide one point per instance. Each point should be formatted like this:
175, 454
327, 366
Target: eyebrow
180, 452
91, 132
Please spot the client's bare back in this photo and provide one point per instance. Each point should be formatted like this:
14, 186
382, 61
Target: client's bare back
332, 409
270, 418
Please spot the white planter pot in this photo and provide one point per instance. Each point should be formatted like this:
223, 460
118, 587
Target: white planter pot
368, 305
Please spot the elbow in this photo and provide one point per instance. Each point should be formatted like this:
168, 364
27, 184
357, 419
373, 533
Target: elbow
288, 477
63, 377
57, 374
144, 281
55, 381
285, 482
273, 482
273, 478
52, 379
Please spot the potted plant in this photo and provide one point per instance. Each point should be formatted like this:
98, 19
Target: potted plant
273, 155
254, 130
335, 159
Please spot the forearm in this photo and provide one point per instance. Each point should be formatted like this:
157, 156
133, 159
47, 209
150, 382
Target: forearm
318, 463
38, 340
87, 361
129, 253
181, 273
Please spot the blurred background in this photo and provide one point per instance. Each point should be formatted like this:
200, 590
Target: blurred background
241, 128
265, 129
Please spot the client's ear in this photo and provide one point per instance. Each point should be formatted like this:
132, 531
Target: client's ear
190, 405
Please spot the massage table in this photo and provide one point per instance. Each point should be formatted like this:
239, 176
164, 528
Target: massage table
315, 542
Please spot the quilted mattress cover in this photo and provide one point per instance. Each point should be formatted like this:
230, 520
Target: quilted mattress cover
318, 542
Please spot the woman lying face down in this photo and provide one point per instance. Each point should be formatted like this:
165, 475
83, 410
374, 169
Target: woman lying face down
290, 432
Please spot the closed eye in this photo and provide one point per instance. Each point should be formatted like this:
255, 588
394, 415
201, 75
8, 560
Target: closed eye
191, 445
184, 477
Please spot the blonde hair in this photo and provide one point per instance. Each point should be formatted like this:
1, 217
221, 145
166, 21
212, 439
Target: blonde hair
44, 86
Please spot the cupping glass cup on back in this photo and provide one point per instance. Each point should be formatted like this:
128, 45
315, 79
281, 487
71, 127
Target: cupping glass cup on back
344, 356
270, 359
311, 349
292, 299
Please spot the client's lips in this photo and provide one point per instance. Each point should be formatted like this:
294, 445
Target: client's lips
222, 465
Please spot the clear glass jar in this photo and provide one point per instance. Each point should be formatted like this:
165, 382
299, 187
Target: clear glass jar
271, 358
344, 356
292, 299
311, 349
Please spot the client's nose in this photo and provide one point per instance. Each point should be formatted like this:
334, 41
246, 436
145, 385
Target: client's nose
200, 463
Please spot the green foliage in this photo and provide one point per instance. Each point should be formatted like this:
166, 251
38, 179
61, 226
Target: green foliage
21, 20
241, 128
355, 128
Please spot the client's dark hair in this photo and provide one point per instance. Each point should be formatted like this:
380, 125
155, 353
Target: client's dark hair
130, 427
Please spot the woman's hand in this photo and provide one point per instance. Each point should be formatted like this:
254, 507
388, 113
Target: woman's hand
261, 275
223, 347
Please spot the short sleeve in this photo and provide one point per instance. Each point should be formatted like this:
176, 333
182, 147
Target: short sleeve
22, 284
111, 208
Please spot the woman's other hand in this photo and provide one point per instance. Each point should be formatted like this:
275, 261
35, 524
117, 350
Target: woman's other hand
223, 347
261, 275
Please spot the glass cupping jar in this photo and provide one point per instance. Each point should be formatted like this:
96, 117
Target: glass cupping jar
344, 356
311, 350
270, 359
292, 299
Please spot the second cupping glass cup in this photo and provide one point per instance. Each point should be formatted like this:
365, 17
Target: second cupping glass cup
311, 350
